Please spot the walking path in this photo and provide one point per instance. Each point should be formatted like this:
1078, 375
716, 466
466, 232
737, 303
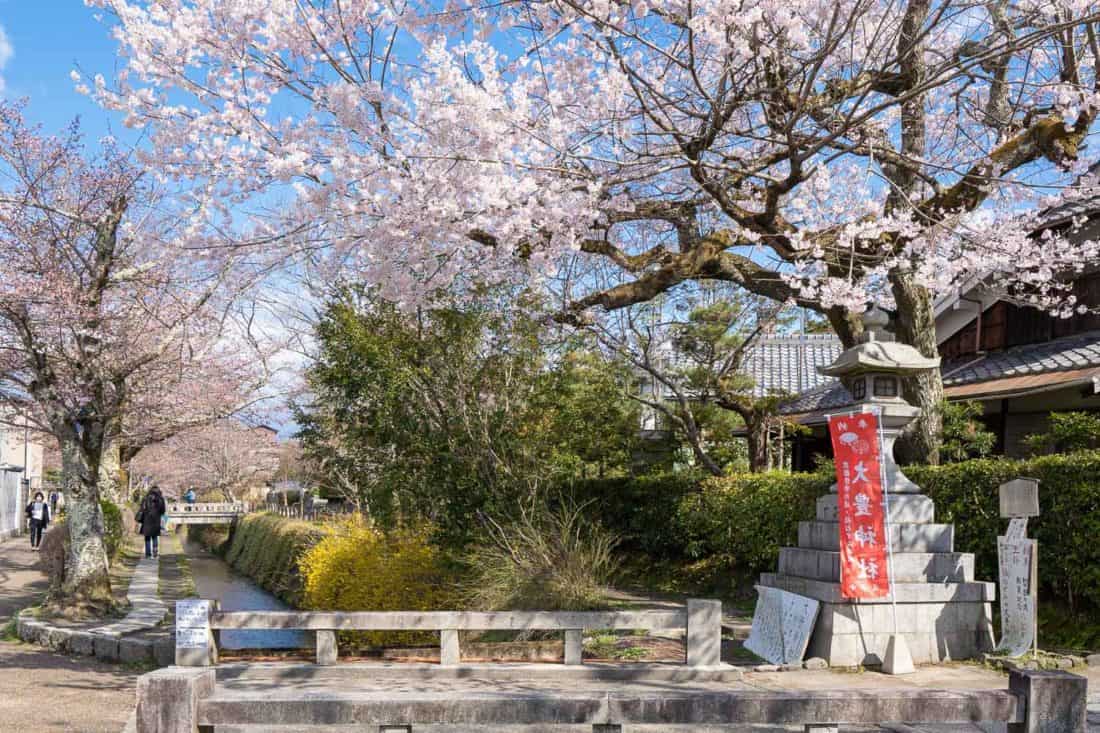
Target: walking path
146, 609
43, 691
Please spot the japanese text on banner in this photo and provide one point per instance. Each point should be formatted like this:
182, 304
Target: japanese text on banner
862, 515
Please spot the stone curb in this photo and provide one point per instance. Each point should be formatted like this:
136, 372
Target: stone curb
106, 647
811, 663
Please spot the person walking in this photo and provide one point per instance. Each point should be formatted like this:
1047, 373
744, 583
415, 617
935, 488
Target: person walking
53, 502
189, 497
38, 514
149, 517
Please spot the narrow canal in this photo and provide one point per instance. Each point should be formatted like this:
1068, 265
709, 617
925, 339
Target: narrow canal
214, 579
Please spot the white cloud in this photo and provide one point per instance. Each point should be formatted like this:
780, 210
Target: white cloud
6, 52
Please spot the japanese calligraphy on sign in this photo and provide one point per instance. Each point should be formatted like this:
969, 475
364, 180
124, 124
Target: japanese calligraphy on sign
781, 625
1017, 602
860, 504
192, 624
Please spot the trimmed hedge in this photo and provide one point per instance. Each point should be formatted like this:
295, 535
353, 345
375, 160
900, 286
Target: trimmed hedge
736, 524
267, 548
1068, 528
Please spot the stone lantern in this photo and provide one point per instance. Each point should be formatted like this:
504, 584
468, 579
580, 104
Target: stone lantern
872, 371
942, 612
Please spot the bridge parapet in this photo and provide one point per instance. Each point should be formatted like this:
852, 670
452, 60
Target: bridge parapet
181, 512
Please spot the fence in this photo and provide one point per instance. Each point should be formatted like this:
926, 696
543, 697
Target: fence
309, 511
11, 503
702, 622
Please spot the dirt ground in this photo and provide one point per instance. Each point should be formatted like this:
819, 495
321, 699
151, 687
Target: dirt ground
42, 691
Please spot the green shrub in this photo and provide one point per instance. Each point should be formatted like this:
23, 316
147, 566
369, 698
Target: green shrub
113, 527
546, 559
267, 548
1067, 432
964, 436
639, 509
738, 523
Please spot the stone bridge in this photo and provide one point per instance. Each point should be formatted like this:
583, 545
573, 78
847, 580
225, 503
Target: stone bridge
180, 512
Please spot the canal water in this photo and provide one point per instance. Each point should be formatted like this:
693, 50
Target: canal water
214, 579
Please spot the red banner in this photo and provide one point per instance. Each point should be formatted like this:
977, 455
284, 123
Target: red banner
862, 516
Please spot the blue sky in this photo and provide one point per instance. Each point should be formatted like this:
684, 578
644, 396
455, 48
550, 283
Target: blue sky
46, 39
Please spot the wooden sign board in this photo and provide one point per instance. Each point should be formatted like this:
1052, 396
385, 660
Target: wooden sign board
781, 625
1020, 498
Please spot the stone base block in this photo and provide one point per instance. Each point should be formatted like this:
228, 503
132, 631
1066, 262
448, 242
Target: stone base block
903, 537
901, 508
135, 651
829, 592
848, 635
909, 567
82, 643
106, 647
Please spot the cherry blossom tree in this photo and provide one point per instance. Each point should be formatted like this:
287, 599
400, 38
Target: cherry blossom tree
826, 152
111, 300
227, 457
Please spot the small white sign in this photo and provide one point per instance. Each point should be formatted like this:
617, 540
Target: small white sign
781, 625
192, 638
192, 614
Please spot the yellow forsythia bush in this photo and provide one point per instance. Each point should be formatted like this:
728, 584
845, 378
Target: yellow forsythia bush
357, 567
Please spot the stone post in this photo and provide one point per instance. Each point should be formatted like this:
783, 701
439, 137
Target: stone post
704, 633
449, 652
326, 648
574, 646
1054, 701
168, 699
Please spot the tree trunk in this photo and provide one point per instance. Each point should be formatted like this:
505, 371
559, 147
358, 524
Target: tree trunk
86, 581
757, 434
916, 326
110, 473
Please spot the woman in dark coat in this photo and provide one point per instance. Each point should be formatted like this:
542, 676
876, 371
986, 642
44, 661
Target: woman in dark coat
38, 516
149, 517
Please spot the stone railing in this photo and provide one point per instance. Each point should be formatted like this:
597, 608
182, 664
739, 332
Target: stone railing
702, 622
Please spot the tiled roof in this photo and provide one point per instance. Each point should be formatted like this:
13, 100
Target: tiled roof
789, 363
1087, 204
1070, 352
1064, 354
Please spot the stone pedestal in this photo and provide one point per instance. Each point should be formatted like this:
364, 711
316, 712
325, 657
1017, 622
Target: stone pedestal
943, 613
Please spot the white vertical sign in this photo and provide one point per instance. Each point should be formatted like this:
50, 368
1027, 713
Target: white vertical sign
1014, 552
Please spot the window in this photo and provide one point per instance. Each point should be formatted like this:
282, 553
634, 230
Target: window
886, 387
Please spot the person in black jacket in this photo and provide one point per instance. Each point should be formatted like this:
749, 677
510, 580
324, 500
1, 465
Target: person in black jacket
38, 514
148, 518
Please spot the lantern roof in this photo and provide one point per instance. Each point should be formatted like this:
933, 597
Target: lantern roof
878, 352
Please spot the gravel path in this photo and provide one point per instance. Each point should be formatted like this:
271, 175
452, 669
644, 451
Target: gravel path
42, 691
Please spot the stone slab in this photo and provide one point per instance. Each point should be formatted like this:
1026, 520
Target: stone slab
460, 620
704, 633
829, 591
354, 672
901, 508
910, 537
521, 703
909, 567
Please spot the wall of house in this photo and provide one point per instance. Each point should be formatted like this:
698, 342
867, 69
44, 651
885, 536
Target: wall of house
1005, 324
